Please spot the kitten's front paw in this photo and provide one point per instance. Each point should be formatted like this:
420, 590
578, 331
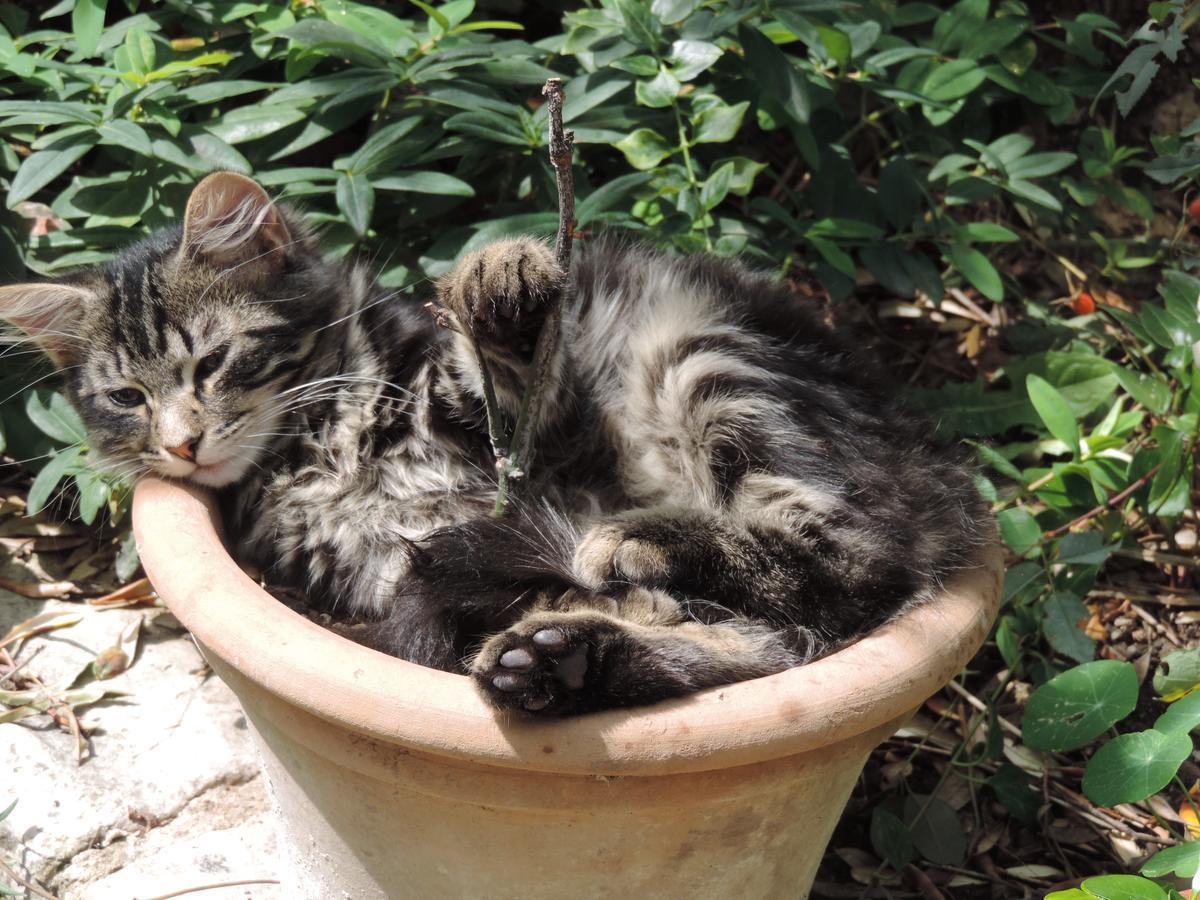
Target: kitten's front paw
545, 664
503, 291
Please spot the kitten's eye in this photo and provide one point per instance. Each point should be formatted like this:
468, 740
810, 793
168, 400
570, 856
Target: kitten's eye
210, 364
127, 397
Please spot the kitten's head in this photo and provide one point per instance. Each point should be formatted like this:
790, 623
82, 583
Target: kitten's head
178, 353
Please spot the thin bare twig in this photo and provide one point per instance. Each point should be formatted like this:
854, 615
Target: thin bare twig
519, 457
1106, 505
213, 887
28, 885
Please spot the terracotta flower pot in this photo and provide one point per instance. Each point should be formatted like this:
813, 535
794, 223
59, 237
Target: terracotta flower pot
392, 780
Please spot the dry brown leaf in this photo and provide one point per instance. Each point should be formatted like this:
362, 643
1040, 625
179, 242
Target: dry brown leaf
40, 590
1034, 872
138, 591
42, 622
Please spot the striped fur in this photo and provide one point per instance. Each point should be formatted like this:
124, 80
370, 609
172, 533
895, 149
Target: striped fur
723, 488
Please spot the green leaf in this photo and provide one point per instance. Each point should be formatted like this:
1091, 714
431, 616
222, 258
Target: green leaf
425, 183
1131, 767
127, 561
42, 167
1019, 529
998, 34
1035, 165
1054, 411
689, 58
609, 194
890, 838
1074, 708
976, 268
959, 24
719, 123
1122, 887
952, 80
250, 123
899, 192
382, 146
1013, 790
1178, 671
1020, 576
1083, 549
1182, 860
836, 44
87, 22
1065, 614
1182, 715
8, 810
936, 833
93, 494
356, 200
660, 91
42, 489
774, 73
1150, 391
988, 232
139, 48
644, 148
1034, 194
716, 187
325, 37
55, 417
672, 11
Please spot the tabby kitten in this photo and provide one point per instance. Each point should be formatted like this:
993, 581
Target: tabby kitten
723, 487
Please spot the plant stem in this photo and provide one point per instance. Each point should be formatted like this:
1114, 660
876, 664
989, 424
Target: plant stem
515, 463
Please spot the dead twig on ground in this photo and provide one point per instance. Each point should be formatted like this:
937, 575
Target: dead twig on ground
214, 886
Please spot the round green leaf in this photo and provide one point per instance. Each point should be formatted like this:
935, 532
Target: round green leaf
1178, 671
1123, 887
890, 838
937, 834
1182, 860
1131, 767
1077, 706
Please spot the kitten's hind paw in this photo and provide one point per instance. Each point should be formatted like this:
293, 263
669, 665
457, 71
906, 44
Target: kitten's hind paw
545, 664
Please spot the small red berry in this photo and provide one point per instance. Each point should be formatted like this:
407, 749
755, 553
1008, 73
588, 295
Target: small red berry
1083, 304
1194, 210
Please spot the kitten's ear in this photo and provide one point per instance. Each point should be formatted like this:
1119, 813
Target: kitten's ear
49, 313
231, 221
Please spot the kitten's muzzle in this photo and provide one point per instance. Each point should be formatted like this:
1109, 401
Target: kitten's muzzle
185, 449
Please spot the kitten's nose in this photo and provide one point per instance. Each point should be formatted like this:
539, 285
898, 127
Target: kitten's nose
185, 450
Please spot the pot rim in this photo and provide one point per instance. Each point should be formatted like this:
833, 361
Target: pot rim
881, 677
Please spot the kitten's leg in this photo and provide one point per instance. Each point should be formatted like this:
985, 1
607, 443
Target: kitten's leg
502, 293
556, 662
828, 583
